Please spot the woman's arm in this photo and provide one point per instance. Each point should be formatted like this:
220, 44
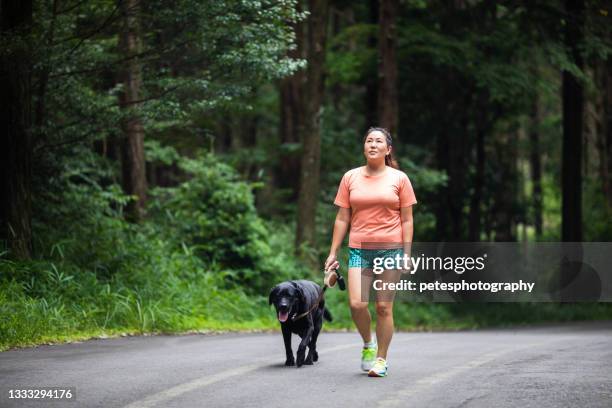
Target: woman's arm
407, 230
341, 226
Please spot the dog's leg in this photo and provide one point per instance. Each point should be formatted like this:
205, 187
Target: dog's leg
290, 361
312, 347
301, 353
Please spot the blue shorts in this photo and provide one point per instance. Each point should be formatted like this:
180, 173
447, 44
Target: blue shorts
364, 258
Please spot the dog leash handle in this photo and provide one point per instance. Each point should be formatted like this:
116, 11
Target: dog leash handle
340, 280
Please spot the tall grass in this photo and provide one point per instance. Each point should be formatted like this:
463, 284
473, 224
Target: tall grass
55, 304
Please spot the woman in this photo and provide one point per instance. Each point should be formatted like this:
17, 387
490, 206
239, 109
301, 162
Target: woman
375, 202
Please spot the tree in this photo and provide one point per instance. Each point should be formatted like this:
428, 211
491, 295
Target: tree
132, 147
371, 82
535, 166
387, 66
573, 107
310, 132
15, 121
474, 226
291, 115
505, 194
606, 136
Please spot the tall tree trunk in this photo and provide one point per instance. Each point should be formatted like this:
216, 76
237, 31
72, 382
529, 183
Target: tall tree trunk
43, 77
453, 143
451, 152
573, 101
387, 68
536, 167
440, 204
336, 18
458, 146
133, 157
310, 134
371, 84
593, 119
15, 122
505, 196
606, 135
475, 214
291, 115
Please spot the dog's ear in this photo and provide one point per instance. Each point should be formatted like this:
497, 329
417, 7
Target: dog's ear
301, 294
300, 291
273, 294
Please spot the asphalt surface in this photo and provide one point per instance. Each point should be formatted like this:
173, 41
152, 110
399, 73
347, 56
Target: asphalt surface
548, 366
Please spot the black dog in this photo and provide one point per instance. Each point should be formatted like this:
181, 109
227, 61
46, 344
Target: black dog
300, 308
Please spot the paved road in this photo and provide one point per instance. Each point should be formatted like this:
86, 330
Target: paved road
552, 366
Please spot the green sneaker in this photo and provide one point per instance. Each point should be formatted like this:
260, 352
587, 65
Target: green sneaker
379, 369
368, 356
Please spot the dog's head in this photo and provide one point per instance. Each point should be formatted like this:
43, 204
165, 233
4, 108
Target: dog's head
286, 298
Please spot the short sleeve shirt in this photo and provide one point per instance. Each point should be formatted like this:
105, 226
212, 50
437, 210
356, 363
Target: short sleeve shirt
375, 203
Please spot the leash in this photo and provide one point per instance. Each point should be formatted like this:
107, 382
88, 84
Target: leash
316, 304
342, 286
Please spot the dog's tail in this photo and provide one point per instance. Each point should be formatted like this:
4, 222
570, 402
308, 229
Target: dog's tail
326, 315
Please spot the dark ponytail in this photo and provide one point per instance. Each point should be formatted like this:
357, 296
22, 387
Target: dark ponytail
389, 159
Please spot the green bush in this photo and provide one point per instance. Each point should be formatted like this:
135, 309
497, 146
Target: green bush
213, 213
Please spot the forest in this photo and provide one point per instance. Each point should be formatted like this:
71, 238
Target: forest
165, 164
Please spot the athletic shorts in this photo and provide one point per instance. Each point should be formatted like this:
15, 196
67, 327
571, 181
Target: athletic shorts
364, 258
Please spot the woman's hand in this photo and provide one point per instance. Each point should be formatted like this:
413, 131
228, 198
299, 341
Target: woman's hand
331, 263
341, 226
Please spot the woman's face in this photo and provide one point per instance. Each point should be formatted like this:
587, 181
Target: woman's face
375, 147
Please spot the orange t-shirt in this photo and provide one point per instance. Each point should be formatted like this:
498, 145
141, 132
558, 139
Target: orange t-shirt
375, 203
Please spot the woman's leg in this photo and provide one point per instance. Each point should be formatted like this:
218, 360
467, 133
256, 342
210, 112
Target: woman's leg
359, 305
384, 327
384, 313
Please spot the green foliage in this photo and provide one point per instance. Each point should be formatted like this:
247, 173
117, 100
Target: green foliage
221, 50
595, 212
196, 57
551, 202
351, 59
213, 214
96, 273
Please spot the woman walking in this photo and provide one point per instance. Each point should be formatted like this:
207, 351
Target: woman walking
375, 203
